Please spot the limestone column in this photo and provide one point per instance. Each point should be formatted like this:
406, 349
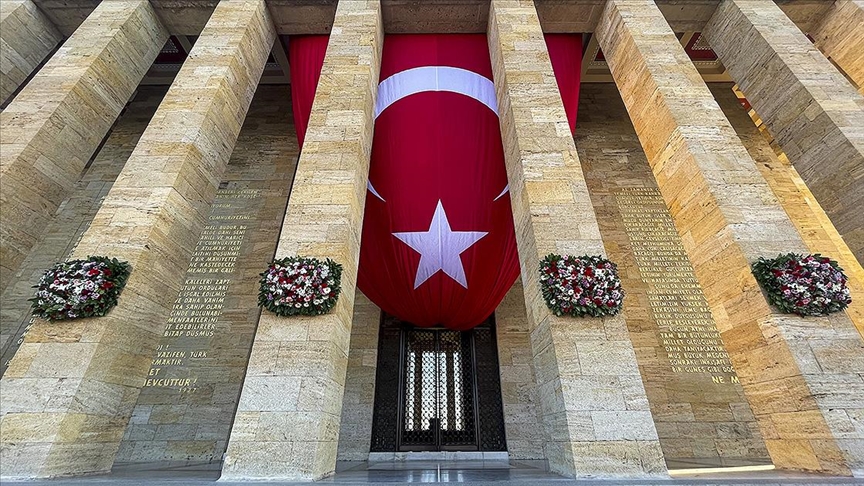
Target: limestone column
57, 121
840, 36
801, 376
809, 219
71, 388
287, 421
814, 113
590, 395
27, 37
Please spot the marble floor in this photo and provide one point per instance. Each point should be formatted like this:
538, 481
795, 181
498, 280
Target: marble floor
475, 473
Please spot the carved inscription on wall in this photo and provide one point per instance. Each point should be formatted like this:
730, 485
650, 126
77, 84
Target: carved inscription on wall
687, 331
186, 344
185, 412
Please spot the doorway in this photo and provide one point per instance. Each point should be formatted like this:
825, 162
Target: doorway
438, 405
437, 390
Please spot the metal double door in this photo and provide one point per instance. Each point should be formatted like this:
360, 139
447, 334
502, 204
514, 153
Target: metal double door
438, 402
437, 389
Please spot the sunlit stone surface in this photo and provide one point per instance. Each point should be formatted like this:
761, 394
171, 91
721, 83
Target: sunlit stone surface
161, 132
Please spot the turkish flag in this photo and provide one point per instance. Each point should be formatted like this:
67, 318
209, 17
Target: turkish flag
438, 245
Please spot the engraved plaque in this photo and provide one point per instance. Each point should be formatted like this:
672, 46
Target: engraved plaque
186, 407
687, 331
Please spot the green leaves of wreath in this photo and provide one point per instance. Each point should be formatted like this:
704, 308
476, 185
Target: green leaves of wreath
80, 288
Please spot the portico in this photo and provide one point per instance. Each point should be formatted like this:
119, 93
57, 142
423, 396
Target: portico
708, 134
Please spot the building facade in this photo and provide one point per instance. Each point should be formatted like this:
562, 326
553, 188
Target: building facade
710, 133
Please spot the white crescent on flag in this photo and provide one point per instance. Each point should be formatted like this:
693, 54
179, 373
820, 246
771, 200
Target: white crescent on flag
436, 78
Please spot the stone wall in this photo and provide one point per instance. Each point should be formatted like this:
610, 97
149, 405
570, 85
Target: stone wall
73, 218
355, 429
806, 103
522, 422
287, 422
180, 422
701, 414
584, 432
26, 37
809, 218
152, 219
55, 124
797, 373
840, 36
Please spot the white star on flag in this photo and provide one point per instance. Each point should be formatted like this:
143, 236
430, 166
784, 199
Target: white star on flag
440, 247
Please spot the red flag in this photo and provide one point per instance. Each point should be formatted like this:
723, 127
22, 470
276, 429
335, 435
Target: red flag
565, 52
306, 57
438, 245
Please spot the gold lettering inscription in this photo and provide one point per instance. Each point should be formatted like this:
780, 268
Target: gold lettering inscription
196, 312
687, 331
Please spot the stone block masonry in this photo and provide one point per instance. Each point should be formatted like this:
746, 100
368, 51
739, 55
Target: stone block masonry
801, 376
812, 111
699, 408
840, 36
57, 121
809, 219
522, 421
27, 37
588, 382
288, 418
65, 408
355, 430
209, 335
73, 218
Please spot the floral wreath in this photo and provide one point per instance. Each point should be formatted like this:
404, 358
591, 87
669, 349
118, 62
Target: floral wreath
810, 285
581, 286
300, 286
80, 288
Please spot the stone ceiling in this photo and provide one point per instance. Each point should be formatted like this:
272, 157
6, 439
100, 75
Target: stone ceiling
186, 18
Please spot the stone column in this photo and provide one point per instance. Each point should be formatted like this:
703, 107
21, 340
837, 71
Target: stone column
27, 37
70, 390
287, 421
57, 121
591, 398
840, 36
809, 219
801, 376
814, 113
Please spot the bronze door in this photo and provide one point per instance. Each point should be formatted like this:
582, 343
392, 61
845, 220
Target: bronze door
438, 401
437, 389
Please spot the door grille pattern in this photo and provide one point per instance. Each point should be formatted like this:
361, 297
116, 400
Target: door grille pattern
489, 406
438, 397
432, 394
386, 410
